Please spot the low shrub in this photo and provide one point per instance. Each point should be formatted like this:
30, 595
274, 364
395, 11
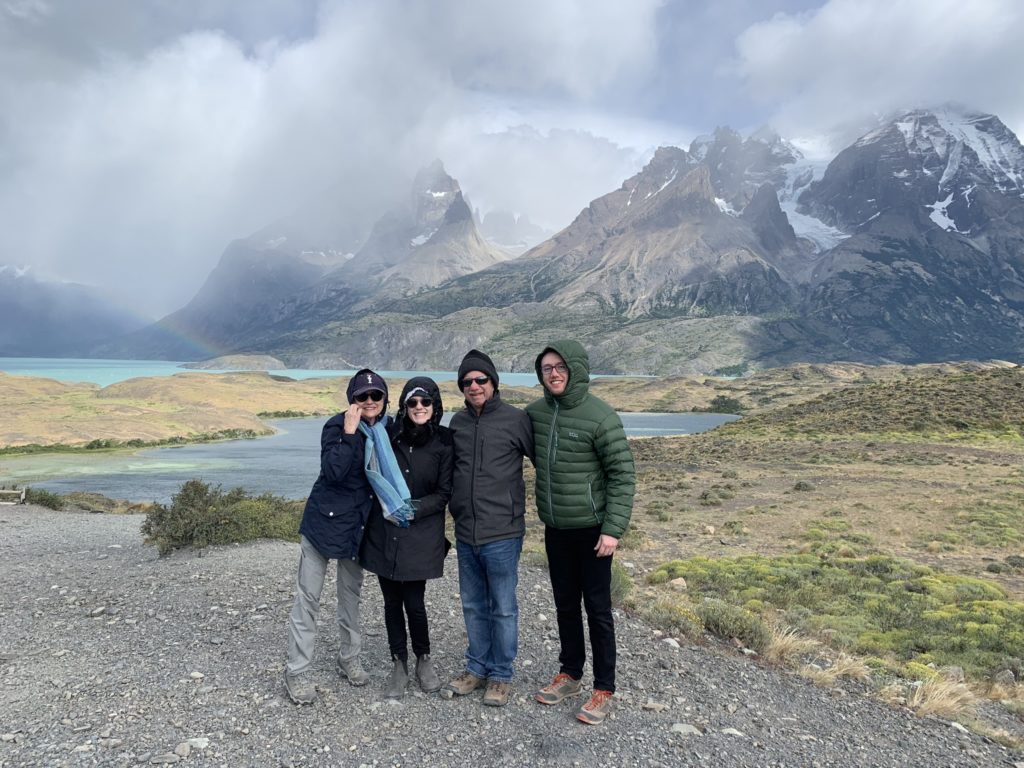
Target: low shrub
622, 583
200, 515
728, 621
673, 614
44, 498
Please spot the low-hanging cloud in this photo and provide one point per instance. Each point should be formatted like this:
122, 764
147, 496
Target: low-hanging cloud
831, 67
131, 164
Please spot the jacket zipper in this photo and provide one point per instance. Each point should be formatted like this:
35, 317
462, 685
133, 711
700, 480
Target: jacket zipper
552, 450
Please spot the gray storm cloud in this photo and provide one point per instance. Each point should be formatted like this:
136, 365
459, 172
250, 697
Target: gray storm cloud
829, 68
131, 163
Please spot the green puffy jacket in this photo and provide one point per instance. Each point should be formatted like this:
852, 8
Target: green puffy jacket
585, 474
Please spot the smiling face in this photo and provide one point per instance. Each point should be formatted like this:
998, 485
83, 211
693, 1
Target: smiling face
554, 373
477, 394
370, 409
417, 412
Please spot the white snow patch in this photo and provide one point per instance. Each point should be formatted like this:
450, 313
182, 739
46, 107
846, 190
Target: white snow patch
630, 199
432, 193
667, 182
902, 174
939, 215
421, 239
799, 176
724, 207
276, 242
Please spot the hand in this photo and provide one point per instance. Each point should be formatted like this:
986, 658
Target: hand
606, 545
353, 416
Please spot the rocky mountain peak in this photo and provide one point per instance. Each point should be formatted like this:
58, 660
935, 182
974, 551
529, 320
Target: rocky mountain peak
958, 168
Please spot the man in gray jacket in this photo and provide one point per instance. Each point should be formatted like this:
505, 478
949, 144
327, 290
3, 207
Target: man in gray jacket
489, 507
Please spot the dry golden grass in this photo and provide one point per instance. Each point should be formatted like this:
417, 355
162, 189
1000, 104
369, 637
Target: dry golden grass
787, 646
842, 667
942, 698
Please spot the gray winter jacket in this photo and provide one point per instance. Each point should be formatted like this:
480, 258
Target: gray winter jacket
489, 495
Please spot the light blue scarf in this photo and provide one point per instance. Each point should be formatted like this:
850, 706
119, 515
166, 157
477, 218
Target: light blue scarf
385, 476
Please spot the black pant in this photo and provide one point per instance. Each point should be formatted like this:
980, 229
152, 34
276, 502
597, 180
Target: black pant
577, 572
407, 594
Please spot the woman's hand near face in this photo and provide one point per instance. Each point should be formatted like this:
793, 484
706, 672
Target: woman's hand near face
353, 416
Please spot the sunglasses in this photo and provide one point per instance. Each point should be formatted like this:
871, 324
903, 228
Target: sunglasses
418, 402
478, 380
373, 394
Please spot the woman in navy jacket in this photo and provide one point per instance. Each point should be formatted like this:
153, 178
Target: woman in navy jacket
404, 558
332, 529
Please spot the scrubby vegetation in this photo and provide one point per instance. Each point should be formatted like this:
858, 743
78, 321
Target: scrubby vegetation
879, 606
44, 498
201, 515
112, 445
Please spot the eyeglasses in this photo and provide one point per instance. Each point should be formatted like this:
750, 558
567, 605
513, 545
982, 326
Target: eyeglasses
547, 370
419, 402
373, 394
478, 380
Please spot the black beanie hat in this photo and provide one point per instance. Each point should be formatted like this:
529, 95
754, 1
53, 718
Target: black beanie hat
475, 360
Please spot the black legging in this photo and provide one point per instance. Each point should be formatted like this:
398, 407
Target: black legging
410, 595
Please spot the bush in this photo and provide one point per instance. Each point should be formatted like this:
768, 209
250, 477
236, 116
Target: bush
674, 615
724, 404
200, 515
622, 583
727, 620
44, 498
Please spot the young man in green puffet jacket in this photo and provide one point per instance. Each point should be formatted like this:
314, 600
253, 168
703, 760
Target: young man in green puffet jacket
585, 487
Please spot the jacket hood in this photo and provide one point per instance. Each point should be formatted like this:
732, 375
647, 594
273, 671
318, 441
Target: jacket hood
576, 358
430, 388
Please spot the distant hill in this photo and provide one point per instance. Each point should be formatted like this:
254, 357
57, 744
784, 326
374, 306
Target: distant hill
40, 318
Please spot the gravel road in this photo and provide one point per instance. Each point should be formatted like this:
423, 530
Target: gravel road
110, 655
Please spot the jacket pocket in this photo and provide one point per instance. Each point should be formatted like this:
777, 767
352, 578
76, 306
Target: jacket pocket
592, 501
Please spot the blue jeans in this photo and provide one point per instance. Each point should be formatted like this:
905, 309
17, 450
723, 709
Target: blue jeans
488, 577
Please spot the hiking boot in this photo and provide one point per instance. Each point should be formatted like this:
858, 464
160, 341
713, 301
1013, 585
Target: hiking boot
300, 687
561, 688
465, 683
597, 709
426, 675
397, 680
353, 671
497, 693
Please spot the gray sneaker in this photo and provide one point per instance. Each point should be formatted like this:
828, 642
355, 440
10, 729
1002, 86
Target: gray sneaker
353, 671
397, 680
426, 674
300, 687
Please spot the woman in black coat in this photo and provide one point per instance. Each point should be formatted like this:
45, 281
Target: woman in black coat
404, 558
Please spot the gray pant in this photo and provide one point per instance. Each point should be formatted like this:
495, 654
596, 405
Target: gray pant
302, 624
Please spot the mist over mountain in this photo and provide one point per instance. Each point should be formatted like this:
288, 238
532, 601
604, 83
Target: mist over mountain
907, 246
40, 318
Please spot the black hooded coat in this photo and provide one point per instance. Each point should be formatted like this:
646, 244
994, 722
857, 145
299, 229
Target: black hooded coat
425, 456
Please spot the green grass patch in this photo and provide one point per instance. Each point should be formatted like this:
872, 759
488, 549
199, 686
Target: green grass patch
201, 515
876, 606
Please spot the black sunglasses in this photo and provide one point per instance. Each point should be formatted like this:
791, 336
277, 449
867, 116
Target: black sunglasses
478, 380
416, 402
373, 394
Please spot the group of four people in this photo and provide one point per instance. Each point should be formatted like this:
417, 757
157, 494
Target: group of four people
378, 504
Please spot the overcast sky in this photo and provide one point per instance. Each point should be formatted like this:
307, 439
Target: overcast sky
138, 137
